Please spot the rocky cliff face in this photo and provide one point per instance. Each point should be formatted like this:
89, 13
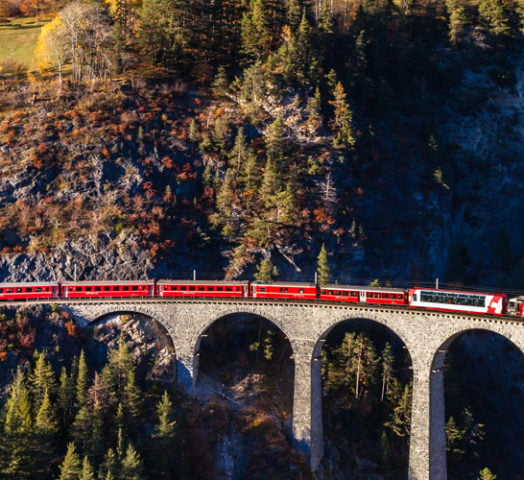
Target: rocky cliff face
417, 202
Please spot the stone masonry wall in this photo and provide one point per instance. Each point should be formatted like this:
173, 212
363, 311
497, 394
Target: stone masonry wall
425, 334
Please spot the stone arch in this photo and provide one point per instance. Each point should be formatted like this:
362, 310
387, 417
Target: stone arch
154, 341
140, 309
437, 448
205, 327
317, 433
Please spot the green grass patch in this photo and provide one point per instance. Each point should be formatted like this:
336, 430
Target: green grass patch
18, 39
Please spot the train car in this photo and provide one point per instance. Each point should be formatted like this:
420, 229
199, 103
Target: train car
284, 290
516, 306
458, 301
108, 289
196, 288
354, 294
28, 291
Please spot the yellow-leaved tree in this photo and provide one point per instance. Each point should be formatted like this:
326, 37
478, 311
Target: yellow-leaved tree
50, 51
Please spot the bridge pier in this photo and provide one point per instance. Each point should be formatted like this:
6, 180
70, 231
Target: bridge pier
303, 395
427, 452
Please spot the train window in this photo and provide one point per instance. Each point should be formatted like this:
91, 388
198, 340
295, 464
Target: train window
9, 290
1, 290
126, 288
192, 289
183, 288
107, 289
353, 294
116, 288
284, 290
201, 289
229, 289
219, 289
97, 289
18, 290
88, 289
261, 289
28, 289
301, 291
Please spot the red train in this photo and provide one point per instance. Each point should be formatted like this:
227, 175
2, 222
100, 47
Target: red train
424, 298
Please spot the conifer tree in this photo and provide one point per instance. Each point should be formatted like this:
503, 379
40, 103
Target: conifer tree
164, 37
81, 380
274, 139
87, 472
42, 379
17, 441
255, 31
220, 83
388, 360
163, 440
266, 271
131, 465
238, 154
495, 16
270, 184
132, 403
400, 419
46, 432
457, 20
65, 402
323, 267
485, 474
70, 468
110, 468
341, 122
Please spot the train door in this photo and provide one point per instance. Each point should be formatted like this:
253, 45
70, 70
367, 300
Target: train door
362, 296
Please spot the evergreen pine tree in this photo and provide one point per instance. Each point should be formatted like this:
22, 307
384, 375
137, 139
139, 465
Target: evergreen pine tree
323, 267
163, 440
485, 474
87, 472
110, 468
17, 441
388, 360
70, 468
131, 465
46, 435
81, 381
42, 379
65, 402
266, 271
495, 16
341, 122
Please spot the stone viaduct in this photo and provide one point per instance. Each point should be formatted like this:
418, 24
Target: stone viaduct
426, 335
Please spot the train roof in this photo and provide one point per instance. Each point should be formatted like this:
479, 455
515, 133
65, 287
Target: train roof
202, 282
364, 289
459, 292
284, 284
27, 284
108, 282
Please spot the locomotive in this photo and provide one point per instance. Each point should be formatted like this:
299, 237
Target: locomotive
459, 301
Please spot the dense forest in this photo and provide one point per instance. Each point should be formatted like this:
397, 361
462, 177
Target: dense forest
220, 135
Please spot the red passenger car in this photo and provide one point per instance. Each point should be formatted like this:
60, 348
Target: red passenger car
297, 291
107, 289
195, 288
28, 291
349, 293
